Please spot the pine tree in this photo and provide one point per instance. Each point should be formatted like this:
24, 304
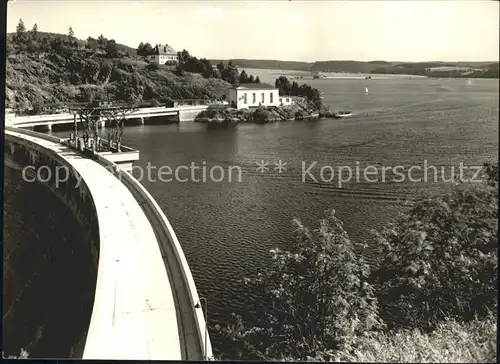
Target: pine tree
243, 78
20, 27
101, 41
34, 31
20, 31
140, 49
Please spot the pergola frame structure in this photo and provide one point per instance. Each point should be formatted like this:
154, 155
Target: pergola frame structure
91, 114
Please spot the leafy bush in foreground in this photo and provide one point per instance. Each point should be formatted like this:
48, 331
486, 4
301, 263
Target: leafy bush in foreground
320, 298
450, 342
436, 285
440, 259
491, 174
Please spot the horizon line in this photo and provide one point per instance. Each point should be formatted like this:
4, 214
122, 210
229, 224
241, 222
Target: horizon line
349, 60
281, 60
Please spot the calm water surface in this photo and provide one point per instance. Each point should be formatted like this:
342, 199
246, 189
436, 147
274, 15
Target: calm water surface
226, 229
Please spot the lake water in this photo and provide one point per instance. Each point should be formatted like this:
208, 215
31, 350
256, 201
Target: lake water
227, 228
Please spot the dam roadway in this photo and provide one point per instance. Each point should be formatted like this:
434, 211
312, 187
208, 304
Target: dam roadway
145, 297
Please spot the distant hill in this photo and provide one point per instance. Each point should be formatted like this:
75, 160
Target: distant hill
319, 66
383, 63
441, 69
348, 66
377, 66
268, 64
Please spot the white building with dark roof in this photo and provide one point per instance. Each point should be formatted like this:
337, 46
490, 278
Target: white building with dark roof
163, 53
249, 95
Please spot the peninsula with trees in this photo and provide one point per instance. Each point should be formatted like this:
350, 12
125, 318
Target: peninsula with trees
307, 104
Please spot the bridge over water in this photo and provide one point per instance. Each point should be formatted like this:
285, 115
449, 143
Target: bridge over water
145, 304
181, 113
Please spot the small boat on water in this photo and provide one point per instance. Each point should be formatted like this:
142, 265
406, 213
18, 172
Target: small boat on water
342, 114
366, 90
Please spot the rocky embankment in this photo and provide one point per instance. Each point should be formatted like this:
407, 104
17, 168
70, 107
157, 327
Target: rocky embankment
33, 80
260, 115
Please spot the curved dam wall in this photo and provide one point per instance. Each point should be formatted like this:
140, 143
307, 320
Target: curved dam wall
87, 330
49, 278
193, 333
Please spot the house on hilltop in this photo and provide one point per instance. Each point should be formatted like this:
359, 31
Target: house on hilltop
163, 53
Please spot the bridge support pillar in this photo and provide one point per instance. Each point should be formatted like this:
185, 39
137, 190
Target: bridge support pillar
189, 115
43, 128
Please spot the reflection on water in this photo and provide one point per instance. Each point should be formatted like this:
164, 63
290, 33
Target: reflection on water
226, 229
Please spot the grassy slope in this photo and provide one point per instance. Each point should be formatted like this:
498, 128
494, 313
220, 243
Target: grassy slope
48, 78
451, 342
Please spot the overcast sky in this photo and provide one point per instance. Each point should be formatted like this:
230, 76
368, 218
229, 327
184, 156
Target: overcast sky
282, 29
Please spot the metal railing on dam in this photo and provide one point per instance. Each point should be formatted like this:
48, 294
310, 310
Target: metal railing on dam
125, 324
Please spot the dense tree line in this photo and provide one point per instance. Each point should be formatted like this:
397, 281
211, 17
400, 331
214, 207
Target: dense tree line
438, 263
145, 49
293, 89
189, 63
33, 42
227, 72
105, 46
245, 78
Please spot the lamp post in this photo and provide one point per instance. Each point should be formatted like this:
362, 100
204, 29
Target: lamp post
198, 305
74, 126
